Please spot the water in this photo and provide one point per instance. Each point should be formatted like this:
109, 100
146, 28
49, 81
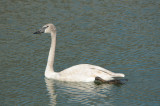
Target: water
122, 36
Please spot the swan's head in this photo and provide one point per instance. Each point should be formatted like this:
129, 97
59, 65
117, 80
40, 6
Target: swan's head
48, 28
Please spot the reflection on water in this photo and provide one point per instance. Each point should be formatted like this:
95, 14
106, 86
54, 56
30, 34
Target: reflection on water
77, 92
51, 91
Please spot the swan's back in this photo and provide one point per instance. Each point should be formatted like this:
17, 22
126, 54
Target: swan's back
87, 73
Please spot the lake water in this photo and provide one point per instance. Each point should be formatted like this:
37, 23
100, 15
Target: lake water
120, 35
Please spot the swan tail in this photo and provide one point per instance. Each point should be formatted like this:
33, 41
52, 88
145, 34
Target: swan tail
108, 72
118, 75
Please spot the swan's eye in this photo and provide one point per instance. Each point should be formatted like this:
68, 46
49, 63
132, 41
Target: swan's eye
45, 27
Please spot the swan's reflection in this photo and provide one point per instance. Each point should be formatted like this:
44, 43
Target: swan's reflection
51, 92
76, 92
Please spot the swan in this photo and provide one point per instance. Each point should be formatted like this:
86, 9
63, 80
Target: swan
77, 73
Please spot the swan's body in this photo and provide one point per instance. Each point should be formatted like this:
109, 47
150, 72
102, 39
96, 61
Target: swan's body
77, 73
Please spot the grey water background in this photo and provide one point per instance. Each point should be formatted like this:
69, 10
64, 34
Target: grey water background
120, 35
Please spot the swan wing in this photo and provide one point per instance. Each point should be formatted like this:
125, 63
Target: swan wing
107, 71
87, 73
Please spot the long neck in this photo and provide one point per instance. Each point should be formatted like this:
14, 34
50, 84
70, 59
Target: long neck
50, 62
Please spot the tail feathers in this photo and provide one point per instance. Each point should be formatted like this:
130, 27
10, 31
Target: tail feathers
118, 75
109, 72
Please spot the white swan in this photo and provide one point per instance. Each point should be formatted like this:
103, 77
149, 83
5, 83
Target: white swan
77, 73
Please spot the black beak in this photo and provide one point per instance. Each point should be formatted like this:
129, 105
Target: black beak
38, 32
